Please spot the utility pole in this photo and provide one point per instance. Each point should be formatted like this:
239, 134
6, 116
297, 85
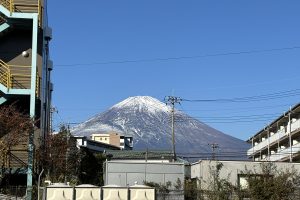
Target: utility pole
213, 146
67, 151
172, 101
290, 135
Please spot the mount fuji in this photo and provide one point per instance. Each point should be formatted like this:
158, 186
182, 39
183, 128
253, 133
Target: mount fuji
148, 121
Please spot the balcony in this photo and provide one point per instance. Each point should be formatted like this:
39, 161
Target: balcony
285, 153
24, 6
17, 77
295, 125
275, 137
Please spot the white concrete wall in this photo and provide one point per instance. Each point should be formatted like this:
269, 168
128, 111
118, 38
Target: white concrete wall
231, 169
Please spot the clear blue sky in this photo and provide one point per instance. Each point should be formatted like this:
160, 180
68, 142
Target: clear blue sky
102, 33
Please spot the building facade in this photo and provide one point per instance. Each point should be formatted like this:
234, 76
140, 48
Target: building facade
129, 172
280, 140
82, 142
25, 69
113, 138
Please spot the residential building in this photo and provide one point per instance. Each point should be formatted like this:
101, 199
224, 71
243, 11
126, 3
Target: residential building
113, 138
278, 141
92, 145
25, 70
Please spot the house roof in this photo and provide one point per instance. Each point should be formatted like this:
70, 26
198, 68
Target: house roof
141, 155
138, 155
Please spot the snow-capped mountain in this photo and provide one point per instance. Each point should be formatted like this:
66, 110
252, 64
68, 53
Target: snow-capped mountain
148, 121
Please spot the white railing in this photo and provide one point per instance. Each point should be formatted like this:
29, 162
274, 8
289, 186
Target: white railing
277, 136
284, 153
295, 125
262, 144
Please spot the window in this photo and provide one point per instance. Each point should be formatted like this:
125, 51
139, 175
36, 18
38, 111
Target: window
242, 181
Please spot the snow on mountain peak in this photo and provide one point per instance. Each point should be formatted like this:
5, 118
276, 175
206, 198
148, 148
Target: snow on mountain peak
148, 103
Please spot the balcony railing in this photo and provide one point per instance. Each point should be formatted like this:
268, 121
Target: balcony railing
5, 74
270, 140
285, 153
17, 77
295, 125
25, 6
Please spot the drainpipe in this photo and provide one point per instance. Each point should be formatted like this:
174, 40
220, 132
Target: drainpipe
290, 136
278, 139
268, 134
253, 157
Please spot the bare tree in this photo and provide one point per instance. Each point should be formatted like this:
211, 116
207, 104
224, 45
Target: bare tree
15, 128
59, 156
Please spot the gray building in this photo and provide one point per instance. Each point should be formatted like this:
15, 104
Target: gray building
233, 171
130, 172
126, 168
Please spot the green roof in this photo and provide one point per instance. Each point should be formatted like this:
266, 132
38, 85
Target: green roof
129, 154
142, 155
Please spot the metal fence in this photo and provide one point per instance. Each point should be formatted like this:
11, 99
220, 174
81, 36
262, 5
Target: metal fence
171, 195
13, 193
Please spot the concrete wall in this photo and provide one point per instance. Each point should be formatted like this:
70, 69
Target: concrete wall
231, 170
128, 173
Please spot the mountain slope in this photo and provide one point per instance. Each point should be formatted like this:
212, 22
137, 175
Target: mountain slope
148, 121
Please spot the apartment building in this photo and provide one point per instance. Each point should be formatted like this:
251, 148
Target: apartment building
25, 69
280, 140
113, 138
84, 142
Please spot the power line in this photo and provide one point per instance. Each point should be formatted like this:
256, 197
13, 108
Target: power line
265, 97
251, 108
180, 58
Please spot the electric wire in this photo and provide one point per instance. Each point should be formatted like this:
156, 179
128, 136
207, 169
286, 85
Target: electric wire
180, 58
264, 97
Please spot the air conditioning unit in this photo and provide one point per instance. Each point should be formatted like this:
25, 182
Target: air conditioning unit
48, 33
